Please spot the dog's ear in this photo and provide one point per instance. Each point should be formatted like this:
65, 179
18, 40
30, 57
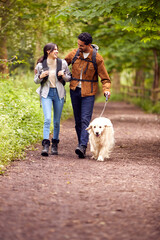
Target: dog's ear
89, 127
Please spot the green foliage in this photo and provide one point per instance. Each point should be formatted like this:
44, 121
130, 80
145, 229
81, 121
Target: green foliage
21, 118
28, 25
140, 16
145, 104
121, 29
20, 121
9, 64
126, 31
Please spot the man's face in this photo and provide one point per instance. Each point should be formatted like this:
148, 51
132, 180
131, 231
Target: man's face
82, 47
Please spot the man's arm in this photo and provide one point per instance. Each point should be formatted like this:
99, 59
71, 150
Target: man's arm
70, 56
105, 79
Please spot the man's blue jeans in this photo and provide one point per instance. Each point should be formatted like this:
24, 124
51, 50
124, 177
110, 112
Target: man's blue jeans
82, 108
52, 99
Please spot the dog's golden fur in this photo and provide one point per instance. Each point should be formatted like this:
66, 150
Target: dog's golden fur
101, 138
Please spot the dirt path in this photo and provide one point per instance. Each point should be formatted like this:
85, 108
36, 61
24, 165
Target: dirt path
63, 197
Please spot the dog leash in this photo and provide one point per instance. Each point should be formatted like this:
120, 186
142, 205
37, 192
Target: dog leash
104, 105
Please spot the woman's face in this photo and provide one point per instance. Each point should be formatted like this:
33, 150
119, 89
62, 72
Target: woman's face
54, 53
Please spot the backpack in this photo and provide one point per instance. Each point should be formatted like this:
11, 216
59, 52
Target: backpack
95, 50
59, 67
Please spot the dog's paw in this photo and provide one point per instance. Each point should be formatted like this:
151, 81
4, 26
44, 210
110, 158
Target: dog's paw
100, 158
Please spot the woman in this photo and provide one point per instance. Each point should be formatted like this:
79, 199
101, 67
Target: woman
51, 91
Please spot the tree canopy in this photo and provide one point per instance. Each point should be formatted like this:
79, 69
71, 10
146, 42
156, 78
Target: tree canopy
127, 32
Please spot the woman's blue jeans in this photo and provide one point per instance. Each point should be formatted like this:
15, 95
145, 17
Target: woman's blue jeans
82, 108
52, 99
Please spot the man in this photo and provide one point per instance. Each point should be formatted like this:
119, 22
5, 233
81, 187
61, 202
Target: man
84, 86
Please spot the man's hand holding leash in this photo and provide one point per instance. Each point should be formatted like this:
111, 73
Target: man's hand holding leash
107, 94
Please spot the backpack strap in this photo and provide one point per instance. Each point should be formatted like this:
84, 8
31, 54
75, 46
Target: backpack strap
59, 68
94, 64
94, 59
75, 57
44, 68
44, 65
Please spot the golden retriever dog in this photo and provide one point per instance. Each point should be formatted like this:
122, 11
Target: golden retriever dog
101, 138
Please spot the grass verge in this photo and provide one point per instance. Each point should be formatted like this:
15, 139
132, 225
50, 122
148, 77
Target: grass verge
21, 119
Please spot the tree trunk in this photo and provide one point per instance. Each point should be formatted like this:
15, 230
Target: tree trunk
3, 52
116, 82
156, 76
139, 78
139, 82
156, 70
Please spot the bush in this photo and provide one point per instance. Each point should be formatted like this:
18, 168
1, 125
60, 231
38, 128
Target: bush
147, 105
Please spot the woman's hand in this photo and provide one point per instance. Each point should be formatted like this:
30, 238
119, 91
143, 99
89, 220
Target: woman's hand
44, 74
61, 73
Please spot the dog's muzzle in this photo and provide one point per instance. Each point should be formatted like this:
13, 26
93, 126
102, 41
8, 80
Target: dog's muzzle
97, 134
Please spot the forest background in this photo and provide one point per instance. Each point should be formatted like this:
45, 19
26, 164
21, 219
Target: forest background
127, 33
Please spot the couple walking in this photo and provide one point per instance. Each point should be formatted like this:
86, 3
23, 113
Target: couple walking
52, 73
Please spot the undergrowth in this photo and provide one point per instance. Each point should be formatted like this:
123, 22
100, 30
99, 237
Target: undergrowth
146, 105
21, 118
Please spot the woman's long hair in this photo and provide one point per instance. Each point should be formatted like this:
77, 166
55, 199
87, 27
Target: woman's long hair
48, 47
